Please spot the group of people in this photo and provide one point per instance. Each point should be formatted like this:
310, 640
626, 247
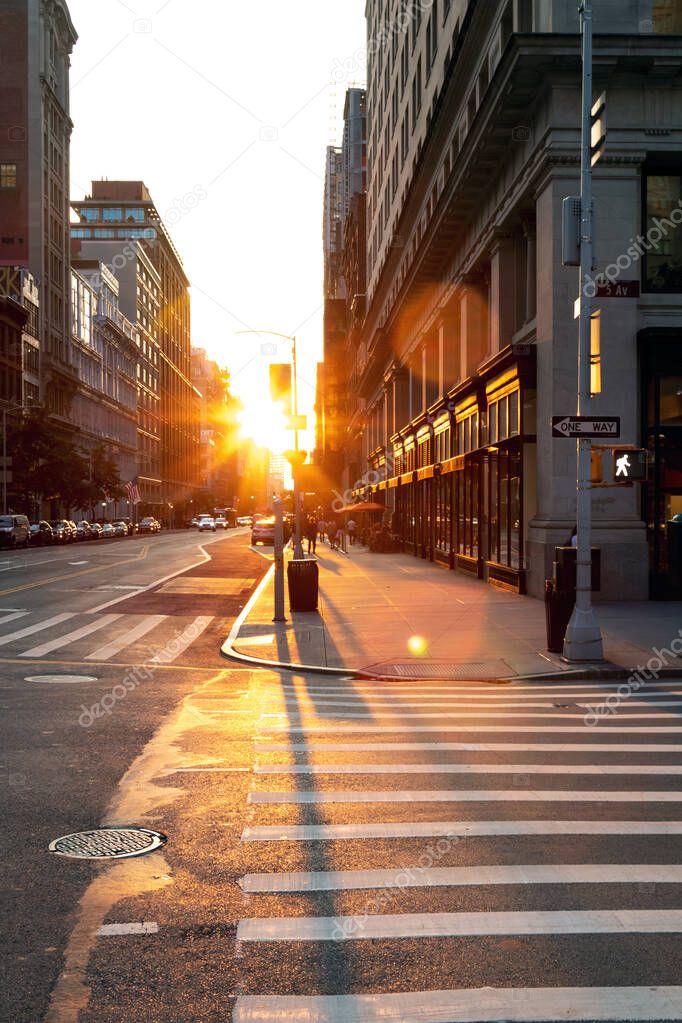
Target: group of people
333, 531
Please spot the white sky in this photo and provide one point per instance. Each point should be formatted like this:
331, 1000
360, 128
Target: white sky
237, 101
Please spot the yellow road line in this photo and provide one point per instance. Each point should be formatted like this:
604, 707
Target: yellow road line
72, 575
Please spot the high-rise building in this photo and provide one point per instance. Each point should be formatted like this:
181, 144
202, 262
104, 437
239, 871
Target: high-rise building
36, 39
124, 211
469, 342
217, 426
20, 345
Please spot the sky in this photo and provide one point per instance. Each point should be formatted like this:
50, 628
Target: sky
225, 109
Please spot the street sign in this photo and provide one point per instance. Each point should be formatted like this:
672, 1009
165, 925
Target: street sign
630, 465
586, 426
617, 289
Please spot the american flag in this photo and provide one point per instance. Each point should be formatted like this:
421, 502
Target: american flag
132, 492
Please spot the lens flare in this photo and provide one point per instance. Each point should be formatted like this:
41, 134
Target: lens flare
417, 645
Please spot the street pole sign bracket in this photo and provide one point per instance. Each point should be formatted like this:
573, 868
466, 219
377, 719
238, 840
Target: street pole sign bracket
585, 426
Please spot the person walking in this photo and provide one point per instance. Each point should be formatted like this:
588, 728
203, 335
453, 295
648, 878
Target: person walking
311, 535
321, 529
351, 526
331, 533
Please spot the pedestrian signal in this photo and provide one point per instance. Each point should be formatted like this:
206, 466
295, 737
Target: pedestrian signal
629, 465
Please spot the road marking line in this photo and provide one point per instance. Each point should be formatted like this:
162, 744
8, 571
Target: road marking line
63, 578
56, 620
447, 877
452, 830
70, 637
314, 702
104, 653
614, 727
464, 796
207, 770
474, 1005
12, 617
446, 925
112, 930
468, 747
188, 636
205, 556
495, 690
599, 769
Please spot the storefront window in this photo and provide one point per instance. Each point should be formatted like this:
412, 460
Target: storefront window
663, 257
671, 401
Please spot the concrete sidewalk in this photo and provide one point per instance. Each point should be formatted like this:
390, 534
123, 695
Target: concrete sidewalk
373, 605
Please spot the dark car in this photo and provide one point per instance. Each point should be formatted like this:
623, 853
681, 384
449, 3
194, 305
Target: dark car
96, 530
61, 531
41, 534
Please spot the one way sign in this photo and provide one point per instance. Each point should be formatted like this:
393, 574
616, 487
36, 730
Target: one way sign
586, 426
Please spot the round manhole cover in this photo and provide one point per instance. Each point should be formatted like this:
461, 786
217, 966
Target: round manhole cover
108, 843
67, 680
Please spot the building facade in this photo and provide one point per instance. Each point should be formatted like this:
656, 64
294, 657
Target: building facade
124, 212
217, 425
35, 131
468, 345
20, 342
104, 408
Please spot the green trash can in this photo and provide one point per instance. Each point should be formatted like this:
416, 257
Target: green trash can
303, 581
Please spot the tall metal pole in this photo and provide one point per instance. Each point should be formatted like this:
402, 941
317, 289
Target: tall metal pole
583, 640
4, 461
279, 561
298, 543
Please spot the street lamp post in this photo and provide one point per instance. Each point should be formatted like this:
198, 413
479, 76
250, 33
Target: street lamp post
298, 545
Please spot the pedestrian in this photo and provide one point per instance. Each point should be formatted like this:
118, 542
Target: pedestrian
341, 537
351, 527
331, 533
573, 538
311, 535
321, 529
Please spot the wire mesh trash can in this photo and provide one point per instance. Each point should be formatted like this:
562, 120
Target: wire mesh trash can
303, 581
558, 610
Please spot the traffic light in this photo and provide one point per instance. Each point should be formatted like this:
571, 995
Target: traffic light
630, 465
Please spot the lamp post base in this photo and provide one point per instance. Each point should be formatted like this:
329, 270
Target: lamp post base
583, 640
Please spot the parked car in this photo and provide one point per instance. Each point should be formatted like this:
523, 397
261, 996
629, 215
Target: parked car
263, 531
149, 525
83, 531
74, 529
96, 530
108, 531
194, 523
14, 531
207, 524
120, 528
221, 522
41, 534
62, 531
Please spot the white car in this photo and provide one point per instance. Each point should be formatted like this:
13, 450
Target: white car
245, 520
221, 522
207, 523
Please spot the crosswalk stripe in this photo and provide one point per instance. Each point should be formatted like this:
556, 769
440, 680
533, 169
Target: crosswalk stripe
446, 925
502, 691
612, 726
71, 637
467, 747
179, 644
39, 627
434, 877
315, 703
452, 830
464, 796
598, 769
551, 712
104, 653
13, 616
469, 1005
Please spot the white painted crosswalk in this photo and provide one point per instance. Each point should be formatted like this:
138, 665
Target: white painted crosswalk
101, 637
529, 863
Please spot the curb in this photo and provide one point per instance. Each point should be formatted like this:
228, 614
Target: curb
227, 649
584, 674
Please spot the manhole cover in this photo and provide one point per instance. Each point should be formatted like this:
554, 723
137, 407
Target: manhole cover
67, 680
440, 670
107, 843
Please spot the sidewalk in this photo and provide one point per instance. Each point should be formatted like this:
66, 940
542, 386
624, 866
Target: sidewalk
371, 605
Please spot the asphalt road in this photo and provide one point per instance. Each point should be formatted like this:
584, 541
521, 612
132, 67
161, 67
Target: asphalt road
338, 851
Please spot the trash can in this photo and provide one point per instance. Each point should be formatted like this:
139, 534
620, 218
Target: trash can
559, 606
303, 580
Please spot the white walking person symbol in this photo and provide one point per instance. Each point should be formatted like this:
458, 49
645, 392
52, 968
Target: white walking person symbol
623, 466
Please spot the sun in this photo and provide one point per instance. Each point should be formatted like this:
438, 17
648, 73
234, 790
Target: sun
266, 425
